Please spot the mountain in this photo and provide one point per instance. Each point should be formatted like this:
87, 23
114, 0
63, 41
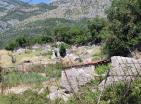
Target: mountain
83, 8
13, 12
18, 17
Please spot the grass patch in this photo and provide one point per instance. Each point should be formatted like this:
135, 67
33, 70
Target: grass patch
15, 78
102, 69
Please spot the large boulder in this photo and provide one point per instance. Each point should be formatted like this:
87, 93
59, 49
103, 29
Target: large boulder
72, 79
123, 69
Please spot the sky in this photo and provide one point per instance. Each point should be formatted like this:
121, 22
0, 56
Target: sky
37, 1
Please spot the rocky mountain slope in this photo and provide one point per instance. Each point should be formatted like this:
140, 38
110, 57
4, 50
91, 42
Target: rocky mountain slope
20, 17
13, 12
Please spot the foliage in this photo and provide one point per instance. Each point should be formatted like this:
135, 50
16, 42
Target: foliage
24, 40
62, 51
125, 26
61, 34
28, 97
11, 45
15, 78
95, 27
102, 69
121, 93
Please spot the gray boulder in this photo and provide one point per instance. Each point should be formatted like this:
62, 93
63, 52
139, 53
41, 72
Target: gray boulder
59, 94
123, 69
72, 79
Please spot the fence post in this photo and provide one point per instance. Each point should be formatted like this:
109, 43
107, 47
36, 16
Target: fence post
1, 80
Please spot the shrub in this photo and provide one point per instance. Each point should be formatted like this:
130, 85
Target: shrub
62, 51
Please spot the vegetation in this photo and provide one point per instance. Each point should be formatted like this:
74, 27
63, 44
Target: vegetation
125, 26
16, 78
102, 69
112, 95
24, 40
62, 51
33, 75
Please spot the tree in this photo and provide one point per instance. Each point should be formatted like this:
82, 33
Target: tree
22, 41
95, 26
11, 45
61, 34
125, 25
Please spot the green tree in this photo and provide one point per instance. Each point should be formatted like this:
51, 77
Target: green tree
22, 41
11, 45
125, 25
95, 27
61, 34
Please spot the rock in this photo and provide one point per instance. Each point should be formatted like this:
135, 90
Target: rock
20, 50
73, 58
59, 94
89, 60
41, 90
72, 79
53, 89
36, 46
125, 66
123, 69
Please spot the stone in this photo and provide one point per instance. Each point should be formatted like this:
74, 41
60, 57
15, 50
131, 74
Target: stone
123, 69
53, 89
20, 50
59, 94
72, 79
36, 46
42, 90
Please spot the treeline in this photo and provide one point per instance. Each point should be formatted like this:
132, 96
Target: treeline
119, 32
26, 40
90, 31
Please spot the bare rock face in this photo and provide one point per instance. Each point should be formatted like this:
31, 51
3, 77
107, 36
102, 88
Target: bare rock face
123, 69
72, 79
85, 8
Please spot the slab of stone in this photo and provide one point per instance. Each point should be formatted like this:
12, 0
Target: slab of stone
72, 79
123, 69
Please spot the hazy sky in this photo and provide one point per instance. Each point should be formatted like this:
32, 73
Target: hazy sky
37, 1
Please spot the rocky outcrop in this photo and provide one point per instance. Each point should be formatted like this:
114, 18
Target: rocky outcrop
85, 8
123, 69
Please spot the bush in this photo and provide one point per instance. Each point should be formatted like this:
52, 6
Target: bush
11, 45
62, 51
